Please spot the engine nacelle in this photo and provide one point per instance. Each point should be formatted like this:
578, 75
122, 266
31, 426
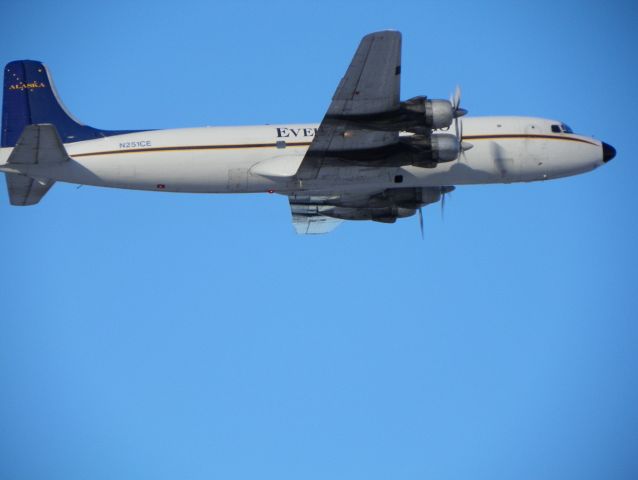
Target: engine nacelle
437, 113
445, 147
355, 213
439, 148
412, 198
428, 195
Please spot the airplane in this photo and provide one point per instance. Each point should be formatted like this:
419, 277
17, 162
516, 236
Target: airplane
372, 157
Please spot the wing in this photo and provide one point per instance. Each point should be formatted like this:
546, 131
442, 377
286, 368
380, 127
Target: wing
372, 82
307, 220
371, 86
322, 213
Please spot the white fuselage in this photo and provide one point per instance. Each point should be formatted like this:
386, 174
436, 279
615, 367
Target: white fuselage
265, 159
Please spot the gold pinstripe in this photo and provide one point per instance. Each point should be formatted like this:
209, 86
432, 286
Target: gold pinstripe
305, 144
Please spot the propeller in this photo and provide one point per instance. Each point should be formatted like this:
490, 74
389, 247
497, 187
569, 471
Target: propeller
463, 146
444, 192
456, 103
455, 100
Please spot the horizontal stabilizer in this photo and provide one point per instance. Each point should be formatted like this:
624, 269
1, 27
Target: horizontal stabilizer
25, 191
38, 145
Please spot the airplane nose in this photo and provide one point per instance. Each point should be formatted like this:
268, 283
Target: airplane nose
609, 152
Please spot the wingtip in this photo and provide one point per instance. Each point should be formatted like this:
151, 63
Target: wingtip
395, 33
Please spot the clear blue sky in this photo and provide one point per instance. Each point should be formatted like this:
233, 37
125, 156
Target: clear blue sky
163, 336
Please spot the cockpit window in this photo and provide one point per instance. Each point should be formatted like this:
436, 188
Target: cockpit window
562, 128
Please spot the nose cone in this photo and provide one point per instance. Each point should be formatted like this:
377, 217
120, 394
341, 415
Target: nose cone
609, 152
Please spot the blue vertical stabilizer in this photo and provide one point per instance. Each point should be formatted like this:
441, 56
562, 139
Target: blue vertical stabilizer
29, 97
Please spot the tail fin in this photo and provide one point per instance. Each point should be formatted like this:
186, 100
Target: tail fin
30, 98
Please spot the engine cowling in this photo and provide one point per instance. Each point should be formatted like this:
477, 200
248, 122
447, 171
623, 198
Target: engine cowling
437, 113
439, 148
357, 213
445, 147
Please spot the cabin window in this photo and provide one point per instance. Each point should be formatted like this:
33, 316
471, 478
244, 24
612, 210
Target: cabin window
398, 179
556, 129
281, 144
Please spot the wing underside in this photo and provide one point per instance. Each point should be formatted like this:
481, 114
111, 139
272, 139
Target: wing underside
313, 214
307, 220
371, 86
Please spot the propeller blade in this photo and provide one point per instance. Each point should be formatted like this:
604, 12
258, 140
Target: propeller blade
443, 206
456, 99
463, 146
444, 193
421, 222
458, 125
456, 103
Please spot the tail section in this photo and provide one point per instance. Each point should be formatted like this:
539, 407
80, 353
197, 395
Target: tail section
36, 125
30, 98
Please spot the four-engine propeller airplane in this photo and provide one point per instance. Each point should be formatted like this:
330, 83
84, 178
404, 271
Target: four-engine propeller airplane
373, 157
